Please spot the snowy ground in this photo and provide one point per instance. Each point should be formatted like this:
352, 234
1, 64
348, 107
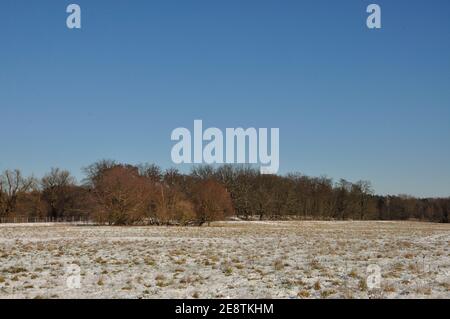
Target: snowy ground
227, 260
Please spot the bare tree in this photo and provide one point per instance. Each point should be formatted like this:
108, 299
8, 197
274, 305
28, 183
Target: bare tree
95, 171
364, 192
122, 196
151, 171
126, 194
212, 201
12, 185
59, 191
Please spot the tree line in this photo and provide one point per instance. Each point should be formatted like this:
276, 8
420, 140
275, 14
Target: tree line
122, 194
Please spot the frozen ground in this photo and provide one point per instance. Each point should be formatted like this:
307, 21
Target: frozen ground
227, 260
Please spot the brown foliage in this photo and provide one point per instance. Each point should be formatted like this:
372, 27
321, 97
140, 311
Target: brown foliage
13, 186
212, 201
121, 196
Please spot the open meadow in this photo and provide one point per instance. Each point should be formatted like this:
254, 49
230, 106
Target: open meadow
227, 260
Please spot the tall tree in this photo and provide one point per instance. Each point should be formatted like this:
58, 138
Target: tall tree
12, 185
59, 191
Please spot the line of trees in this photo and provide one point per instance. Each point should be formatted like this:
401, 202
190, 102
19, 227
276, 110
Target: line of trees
122, 194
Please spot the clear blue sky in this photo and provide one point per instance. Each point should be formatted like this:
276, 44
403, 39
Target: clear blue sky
350, 102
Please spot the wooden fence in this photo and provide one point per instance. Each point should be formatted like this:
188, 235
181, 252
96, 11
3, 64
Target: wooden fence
83, 220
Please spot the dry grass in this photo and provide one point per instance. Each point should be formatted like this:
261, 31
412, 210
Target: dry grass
234, 259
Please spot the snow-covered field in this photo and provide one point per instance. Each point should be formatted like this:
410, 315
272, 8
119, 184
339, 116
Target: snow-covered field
227, 260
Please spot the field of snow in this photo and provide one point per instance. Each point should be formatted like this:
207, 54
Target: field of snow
227, 260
